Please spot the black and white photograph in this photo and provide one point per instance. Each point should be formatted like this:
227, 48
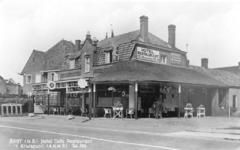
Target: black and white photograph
119, 74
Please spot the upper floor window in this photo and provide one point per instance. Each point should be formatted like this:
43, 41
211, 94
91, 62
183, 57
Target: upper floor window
28, 79
87, 64
52, 77
72, 64
38, 78
108, 57
163, 59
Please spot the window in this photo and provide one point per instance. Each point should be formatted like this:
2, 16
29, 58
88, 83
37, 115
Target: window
28, 79
87, 64
52, 77
163, 59
234, 104
71, 64
108, 57
38, 78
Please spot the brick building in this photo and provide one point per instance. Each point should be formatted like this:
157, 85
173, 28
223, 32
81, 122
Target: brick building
140, 67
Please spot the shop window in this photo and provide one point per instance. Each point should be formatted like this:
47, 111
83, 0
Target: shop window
163, 59
71, 64
87, 64
38, 78
234, 103
108, 57
28, 79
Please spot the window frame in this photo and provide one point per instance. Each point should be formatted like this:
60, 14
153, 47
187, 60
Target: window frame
40, 77
72, 64
30, 82
165, 59
108, 57
87, 63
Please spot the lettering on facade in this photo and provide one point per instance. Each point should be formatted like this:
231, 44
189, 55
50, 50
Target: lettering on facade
176, 59
70, 74
147, 54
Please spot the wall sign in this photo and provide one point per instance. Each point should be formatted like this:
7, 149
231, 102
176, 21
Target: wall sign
147, 54
176, 59
51, 85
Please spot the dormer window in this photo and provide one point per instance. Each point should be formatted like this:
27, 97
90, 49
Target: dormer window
108, 57
164, 59
72, 64
87, 64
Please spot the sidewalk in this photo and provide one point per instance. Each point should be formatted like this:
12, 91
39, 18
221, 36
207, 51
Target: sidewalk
210, 127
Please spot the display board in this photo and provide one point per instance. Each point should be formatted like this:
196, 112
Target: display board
107, 101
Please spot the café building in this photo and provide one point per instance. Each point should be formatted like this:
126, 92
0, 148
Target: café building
135, 69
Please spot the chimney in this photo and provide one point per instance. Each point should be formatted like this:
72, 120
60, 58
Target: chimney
144, 28
95, 41
171, 35
77, 45
205, 63
88, 36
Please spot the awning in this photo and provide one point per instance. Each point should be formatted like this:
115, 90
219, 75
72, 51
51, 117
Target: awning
139, 71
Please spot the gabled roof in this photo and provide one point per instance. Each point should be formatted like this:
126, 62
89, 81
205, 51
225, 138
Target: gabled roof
123, 44
55, 56
225, 77
135, 70
36, 55
132, 36
50, 60
233, 69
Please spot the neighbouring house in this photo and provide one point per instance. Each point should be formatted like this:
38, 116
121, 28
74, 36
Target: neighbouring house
10, 87
227, 102
13, 87
134, 68
3, 86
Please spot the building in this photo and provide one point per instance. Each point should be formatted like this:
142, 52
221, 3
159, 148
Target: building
135, 68
3, 86
9, 87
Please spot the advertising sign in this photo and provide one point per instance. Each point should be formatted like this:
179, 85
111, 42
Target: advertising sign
147, 54
176, 59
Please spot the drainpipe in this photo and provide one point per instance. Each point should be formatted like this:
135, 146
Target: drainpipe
179, 98
136, 100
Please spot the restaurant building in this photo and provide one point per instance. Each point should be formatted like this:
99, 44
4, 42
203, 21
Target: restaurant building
135, 68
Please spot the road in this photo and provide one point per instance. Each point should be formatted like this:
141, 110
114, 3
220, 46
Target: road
29, 134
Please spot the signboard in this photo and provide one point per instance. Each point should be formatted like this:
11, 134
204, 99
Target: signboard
51, 85
82, 83
147, 54
176, 59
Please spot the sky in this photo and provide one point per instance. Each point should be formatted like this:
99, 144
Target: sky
211, 29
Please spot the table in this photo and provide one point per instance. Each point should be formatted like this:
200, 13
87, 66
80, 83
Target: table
188, 112
200, 112
117, 112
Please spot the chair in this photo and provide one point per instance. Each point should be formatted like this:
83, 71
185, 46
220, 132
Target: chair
201, 111
55, 110
166, 110
130, 112
62, 110
84, 111
107, 112
188, 110
150, 112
